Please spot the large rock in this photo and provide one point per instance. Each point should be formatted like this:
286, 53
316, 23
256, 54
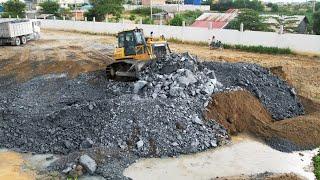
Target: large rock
87, 162
139, 85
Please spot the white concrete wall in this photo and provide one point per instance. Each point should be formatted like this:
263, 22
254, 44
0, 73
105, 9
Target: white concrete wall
296, 42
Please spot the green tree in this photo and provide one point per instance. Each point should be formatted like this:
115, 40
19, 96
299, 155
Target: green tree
274, 8
66, 12
251, 21
50, 7
14, 8
317, 6
223, 5
102, 7
316, 22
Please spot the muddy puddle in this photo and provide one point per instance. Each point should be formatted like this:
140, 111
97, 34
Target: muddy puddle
11, 167
245, 155
22, 166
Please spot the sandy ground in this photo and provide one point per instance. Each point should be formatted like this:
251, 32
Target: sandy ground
74, 53
56, 53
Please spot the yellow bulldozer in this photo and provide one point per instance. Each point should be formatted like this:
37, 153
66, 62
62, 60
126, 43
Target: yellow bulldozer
133, 52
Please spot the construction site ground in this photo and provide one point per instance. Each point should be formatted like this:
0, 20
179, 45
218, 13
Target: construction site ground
75, 53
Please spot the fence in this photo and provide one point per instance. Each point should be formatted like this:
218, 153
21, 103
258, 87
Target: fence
296, 42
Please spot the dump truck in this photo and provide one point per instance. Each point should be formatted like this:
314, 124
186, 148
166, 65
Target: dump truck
133, 52
17, 32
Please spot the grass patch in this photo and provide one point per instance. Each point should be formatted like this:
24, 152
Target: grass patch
316, 162
199, 43
255, 49
259, 49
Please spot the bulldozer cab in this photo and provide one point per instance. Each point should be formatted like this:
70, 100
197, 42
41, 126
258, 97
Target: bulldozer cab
132, 41
134, 51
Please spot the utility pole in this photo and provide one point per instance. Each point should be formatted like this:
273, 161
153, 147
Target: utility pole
151, 9
75, 9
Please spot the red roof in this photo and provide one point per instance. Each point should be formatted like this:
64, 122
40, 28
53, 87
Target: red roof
218, 20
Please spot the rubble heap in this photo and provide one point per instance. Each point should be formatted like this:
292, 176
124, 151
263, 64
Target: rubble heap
177, 76
159, 115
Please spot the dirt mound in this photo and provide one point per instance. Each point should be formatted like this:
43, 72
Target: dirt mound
240, 111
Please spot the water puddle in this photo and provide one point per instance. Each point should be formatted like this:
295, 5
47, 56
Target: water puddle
11, 167
245, 156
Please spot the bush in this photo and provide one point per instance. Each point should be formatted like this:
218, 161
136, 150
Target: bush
132, 17
176, 21
188, 16
147, 20
316, 162
146, 11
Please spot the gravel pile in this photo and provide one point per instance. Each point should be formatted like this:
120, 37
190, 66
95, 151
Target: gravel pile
54, 114
275, 94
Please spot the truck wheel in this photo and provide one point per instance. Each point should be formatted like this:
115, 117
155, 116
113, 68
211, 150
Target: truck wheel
17, 41
23, 40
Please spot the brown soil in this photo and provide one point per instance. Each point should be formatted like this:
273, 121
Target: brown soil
240, 111
55, 53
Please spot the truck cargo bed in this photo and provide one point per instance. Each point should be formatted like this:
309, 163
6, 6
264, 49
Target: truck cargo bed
15, 28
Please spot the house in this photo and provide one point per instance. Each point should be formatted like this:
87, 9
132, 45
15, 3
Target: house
215, 20
291, 24
78, 15
154, 2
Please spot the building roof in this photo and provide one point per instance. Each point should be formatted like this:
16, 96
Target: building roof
271, 18
218, 20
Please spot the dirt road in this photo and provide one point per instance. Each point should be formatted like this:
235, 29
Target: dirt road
56, 53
